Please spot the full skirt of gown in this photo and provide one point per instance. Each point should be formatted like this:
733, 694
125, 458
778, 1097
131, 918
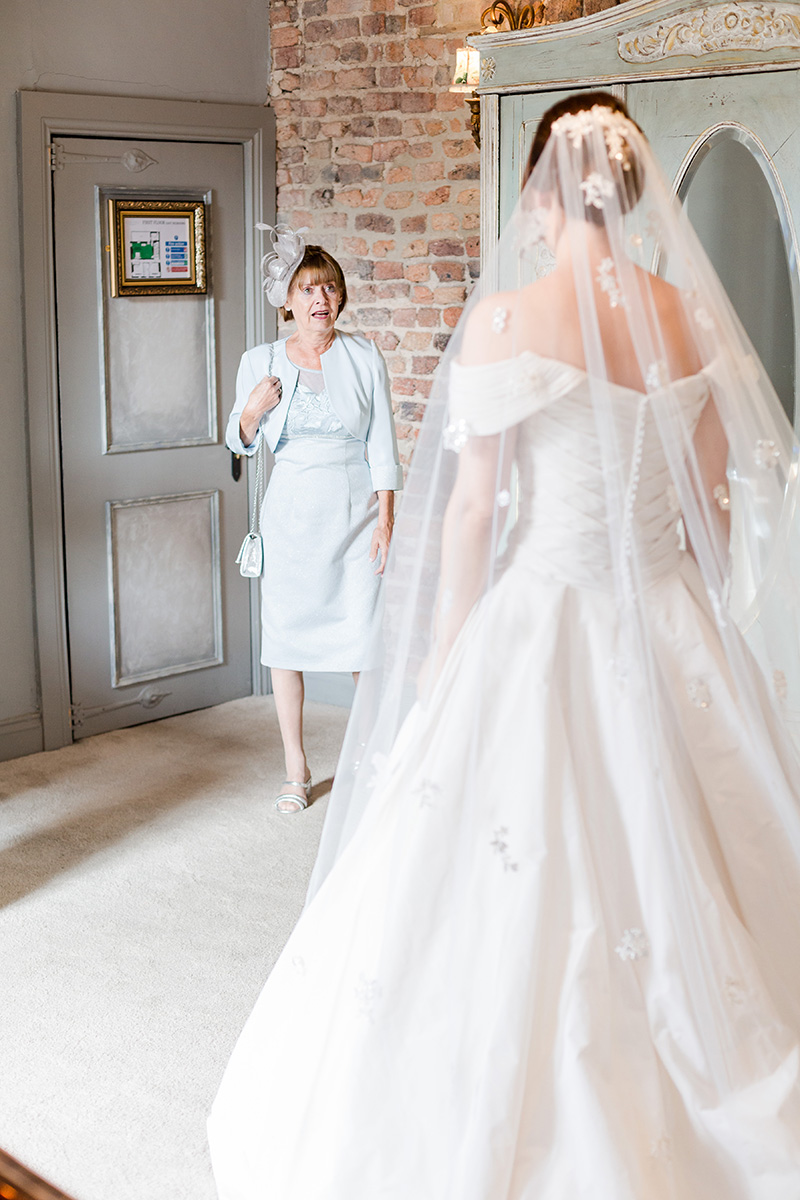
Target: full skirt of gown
500, 1004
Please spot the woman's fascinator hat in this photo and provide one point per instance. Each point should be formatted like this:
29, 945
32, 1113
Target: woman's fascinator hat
280, 264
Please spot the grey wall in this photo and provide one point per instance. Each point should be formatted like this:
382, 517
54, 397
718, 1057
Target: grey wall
214, 50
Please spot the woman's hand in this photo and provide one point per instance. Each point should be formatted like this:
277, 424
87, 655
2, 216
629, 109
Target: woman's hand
264, 396
382, 536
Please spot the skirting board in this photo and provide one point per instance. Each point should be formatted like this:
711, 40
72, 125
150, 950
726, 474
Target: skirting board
21, 735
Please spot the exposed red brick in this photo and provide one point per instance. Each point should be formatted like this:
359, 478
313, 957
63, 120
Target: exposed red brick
388, 270
373, 24
288, 57
285, 35
344, 104
465, 171
352, 52
357, 77
398, 199
449, 294
356, 198
356, 151
451, 316
416, 102
459, 148
416, 249
386, 151
387, 340
404, 387
413, 224
318, 31
447, 102
438, 196
446, 248
416, 339
428, 316
319, 81
377, 222
389, 127
396, 289
389, 77
421, 77
370, 317
416, 272
448, 272
561, 10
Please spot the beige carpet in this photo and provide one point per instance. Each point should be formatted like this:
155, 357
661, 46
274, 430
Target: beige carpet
146, 886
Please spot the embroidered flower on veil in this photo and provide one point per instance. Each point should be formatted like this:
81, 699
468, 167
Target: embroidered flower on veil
594, 188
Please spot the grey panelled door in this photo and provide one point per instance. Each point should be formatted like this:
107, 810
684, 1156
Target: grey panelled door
158, 616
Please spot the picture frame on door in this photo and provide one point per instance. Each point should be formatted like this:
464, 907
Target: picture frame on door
157, 247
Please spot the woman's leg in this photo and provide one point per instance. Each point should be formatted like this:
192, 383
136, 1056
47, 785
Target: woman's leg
289, 695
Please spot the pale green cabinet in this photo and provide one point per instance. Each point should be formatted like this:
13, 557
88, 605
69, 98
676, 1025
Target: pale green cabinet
717, 91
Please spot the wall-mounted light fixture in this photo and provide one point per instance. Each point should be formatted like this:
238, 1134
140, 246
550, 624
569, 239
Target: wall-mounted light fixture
512, 15
502, 16
465, 80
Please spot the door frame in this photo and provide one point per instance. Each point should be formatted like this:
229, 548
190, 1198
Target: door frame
44, 116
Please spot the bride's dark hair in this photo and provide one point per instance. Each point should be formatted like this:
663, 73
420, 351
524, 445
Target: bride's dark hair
631, 182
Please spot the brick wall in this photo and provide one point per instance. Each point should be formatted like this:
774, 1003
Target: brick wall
376, 157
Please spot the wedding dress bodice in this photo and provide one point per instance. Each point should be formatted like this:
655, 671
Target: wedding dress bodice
563, 529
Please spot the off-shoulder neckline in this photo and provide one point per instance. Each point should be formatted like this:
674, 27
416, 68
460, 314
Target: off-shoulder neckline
576, 370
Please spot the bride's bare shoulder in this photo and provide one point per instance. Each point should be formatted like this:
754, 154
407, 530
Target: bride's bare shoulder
492, 329
672, 307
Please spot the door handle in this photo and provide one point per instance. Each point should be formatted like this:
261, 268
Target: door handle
236, 467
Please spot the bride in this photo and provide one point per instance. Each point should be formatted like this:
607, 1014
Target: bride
552, 949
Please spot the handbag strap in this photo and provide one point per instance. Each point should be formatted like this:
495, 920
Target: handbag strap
255, 520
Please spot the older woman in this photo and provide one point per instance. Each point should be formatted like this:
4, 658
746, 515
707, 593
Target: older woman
320, 399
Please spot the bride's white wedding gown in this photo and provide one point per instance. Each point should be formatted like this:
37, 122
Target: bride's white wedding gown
531, 1002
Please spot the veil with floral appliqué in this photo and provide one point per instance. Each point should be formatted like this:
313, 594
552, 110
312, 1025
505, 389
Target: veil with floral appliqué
598, 164
597, 224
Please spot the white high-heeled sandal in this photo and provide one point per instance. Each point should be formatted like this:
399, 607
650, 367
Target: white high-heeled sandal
287, 799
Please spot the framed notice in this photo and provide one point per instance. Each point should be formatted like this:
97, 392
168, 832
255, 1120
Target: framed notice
158, 247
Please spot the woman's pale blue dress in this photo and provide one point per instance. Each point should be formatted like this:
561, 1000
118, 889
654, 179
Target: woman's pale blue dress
319, 591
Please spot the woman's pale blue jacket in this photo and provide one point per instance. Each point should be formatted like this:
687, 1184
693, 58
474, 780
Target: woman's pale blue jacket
358, 388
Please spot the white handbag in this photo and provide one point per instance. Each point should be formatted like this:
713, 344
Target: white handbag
251, 555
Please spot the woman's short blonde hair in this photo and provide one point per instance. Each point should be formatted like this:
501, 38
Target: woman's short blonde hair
317, 266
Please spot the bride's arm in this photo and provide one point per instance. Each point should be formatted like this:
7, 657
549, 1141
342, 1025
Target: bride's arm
711, 451
472, 524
